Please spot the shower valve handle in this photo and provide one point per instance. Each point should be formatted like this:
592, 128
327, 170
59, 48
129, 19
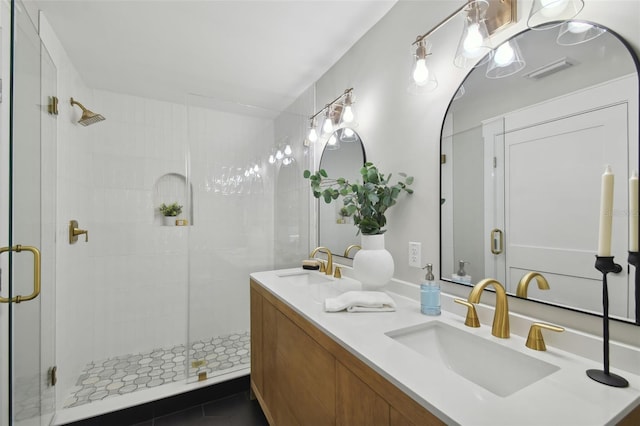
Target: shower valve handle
74, 231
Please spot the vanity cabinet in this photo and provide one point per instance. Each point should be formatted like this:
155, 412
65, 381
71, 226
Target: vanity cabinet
301, 376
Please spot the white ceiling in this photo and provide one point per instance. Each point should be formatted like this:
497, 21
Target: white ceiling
263, 53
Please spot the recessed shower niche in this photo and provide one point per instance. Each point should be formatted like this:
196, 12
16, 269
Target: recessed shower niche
173, 188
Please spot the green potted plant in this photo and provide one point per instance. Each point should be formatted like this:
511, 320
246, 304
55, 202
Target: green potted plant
170, 212
367, 202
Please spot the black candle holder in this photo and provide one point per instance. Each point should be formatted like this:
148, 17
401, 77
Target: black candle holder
605, 264
634, 259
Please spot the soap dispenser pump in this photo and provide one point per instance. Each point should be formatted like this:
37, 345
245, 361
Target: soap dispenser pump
430, 294
461, 276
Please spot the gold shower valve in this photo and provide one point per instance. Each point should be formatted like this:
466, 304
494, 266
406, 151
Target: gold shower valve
74, 231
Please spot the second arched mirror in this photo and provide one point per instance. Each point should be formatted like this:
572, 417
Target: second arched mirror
342, 156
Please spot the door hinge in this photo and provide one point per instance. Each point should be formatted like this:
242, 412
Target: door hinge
495, 162
53, 105
53, 375
443, 159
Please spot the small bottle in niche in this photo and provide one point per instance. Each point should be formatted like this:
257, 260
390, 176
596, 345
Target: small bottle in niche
430, 294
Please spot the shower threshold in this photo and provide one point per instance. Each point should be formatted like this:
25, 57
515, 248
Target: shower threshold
132, 373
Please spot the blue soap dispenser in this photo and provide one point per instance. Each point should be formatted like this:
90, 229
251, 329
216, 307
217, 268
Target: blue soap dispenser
430, 294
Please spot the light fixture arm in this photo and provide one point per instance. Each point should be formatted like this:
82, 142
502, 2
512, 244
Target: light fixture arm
327, 106
443, 22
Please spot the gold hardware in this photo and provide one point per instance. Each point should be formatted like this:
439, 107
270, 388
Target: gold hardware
88, 117
53, 376
198, 363
501, 315
52, 108
329, 269
351, 247
500, 13
523, 285
495, 250
535, 340
74, 231
337, 273
322, 267
202, 376
36, 273
443, 159
182, 222
472, 316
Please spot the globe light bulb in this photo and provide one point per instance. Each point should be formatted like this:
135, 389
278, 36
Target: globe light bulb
421, 72
272, 159
347, 115
332, 140
348, 132
327, 127
313, 135
504, 55
473, 41
256, 168
279, 155
287, 150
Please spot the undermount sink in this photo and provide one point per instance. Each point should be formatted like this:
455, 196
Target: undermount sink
305, 277
496, 368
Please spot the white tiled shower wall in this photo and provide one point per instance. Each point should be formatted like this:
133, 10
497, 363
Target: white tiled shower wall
126, 290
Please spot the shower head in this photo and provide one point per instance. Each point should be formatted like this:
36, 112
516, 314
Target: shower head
88, 117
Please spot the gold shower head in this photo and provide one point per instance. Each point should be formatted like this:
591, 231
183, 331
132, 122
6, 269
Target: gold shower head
88, 117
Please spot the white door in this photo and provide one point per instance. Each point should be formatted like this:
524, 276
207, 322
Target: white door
538, 185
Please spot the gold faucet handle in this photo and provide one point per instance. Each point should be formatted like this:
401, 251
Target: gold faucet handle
337, 273
322, 267
472, 316
535, 340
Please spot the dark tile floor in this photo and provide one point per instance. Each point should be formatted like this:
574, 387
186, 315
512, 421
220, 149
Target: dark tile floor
234, 410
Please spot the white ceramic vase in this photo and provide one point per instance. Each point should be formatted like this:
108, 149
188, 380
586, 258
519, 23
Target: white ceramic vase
373, 264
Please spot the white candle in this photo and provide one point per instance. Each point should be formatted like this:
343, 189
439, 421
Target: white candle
633, 211
606, 210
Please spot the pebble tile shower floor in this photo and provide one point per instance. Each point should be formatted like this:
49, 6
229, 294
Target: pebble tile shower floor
129, 373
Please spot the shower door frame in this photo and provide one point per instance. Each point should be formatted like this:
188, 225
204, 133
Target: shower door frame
27, 189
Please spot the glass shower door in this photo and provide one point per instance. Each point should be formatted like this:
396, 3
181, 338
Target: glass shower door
29, 253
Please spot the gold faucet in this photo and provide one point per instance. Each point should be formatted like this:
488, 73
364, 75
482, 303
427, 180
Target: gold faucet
501, 315
523, 285
535, 340
329, 268
351, 247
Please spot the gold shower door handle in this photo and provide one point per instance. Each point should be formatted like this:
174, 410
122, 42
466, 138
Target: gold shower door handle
496, 243
36, 273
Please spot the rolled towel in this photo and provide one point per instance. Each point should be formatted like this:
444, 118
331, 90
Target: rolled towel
361, 301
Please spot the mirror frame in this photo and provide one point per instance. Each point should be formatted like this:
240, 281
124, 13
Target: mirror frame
636, 61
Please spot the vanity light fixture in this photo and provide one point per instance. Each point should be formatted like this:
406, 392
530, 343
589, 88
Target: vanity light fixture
348, 116
547, 14
507, 60
576, 32
327, 125
483, 18
422, 78
313, 134
474, 47
337, 113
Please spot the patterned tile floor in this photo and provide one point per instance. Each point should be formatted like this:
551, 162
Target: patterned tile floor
129, 373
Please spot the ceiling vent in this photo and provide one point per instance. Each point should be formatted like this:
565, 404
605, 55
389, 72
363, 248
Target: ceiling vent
551, 68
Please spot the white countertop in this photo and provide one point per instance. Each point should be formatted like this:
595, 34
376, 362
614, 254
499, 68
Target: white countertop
565, 397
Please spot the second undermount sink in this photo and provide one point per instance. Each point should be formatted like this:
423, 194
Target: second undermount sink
305, 277
498, 369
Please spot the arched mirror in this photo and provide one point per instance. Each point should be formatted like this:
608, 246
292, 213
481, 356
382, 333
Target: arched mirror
522, 159
343, 156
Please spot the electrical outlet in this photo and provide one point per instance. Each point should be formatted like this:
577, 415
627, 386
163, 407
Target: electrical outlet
415, 254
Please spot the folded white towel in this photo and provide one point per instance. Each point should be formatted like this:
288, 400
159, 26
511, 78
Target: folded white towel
361, 301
